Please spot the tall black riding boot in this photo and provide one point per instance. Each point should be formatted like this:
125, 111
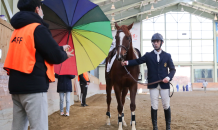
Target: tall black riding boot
168, 118
154, 118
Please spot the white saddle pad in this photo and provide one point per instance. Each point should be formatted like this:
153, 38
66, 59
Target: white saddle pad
110, 64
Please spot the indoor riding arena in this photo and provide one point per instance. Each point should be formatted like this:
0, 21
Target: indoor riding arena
160, 57
190, 110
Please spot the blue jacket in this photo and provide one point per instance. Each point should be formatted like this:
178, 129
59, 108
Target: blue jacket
156, 71
64, 83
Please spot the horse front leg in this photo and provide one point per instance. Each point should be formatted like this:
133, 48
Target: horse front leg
119, 107
124, 93
133, 91
108, 115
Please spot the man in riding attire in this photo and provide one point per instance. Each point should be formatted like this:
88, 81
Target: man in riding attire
157, 62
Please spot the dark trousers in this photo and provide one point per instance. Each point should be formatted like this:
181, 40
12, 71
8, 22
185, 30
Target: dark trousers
83, 93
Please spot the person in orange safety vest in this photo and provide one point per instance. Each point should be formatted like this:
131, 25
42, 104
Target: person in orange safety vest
29, 65
84, 82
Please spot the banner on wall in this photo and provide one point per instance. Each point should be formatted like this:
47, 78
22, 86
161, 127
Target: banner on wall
216, 23
136, 37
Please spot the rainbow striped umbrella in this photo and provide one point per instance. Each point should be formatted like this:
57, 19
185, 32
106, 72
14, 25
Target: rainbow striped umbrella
82, 25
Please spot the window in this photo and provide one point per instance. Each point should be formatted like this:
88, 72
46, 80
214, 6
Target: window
185, 34
203, 74
202, 50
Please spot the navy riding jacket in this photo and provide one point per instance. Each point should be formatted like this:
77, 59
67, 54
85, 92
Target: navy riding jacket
157, 70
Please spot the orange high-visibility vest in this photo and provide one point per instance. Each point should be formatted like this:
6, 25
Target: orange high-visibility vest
21, 53
85, 75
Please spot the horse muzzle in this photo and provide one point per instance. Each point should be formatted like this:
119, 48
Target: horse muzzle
120, 58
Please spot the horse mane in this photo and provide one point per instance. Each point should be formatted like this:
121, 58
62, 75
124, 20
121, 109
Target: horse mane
139, 53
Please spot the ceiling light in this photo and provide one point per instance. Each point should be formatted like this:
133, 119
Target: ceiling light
113, 7
182, 9
112, 20
152, 6
113, 28
215, 17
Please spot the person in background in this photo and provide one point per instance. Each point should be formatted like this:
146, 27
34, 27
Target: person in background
84, 82
177, 87
187, 87
190, 86
29, 64
64, 87
205, 85
183, 88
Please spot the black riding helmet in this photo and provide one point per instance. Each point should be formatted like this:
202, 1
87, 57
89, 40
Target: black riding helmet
157, 36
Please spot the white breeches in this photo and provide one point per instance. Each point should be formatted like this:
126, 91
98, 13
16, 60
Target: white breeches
154, 95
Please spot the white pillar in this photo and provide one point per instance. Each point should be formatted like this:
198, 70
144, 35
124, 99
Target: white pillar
141, 45
215, 52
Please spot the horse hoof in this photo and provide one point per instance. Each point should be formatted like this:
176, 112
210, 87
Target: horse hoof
133, 125
124, 124
133, 128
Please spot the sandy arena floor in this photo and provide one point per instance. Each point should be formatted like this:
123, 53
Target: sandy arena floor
190, 111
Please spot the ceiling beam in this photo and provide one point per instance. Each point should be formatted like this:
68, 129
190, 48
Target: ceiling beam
123, 5
146, 9
98, 1
134, 10
174, 8
215, 10
7, 8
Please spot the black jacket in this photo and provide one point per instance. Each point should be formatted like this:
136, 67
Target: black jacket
157, 70
46, 49
64, 83
83, 80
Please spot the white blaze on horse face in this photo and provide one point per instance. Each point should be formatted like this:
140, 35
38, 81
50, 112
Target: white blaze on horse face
122, 35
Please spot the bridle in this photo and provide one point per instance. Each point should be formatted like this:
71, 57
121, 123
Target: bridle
129, 38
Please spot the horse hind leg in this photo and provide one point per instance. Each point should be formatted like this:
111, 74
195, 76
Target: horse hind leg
108, 115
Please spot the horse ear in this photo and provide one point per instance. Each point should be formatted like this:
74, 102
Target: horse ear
117, 27
130, 26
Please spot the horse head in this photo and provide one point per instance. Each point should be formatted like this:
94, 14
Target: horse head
123, 41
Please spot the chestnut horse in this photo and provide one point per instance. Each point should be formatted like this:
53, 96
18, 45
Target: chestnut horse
119, 78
